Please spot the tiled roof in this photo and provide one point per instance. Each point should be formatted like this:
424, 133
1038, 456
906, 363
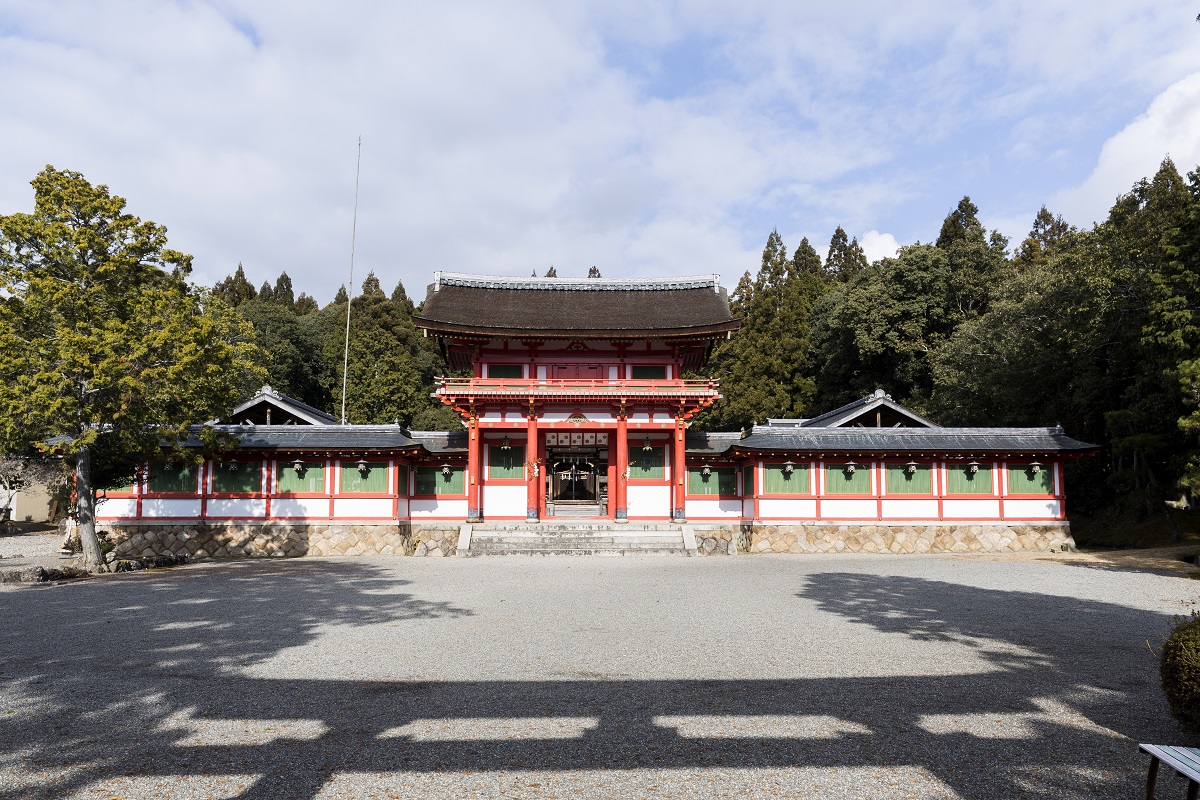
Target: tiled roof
576, 307
912, 440
320, 437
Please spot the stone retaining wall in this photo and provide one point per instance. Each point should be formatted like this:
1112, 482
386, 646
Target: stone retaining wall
257, 540
945, 537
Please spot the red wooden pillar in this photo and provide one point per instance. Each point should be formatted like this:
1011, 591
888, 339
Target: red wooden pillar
474, 471
532, 472
679, 471
620, 504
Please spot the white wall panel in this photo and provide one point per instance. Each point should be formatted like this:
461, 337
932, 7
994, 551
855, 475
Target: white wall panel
971, 509
848, 509
450, 509
402, 508
312, 507
925, 508
787, 509
709, 509
362, 507
747, 508
505, 501
117, 508
649, 501
246, 508
171, 508
1032, 509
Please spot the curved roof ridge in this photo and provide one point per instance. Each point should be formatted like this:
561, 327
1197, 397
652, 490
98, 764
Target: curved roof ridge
712, 281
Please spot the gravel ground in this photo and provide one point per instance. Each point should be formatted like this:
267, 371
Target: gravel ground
768, 676
29, 545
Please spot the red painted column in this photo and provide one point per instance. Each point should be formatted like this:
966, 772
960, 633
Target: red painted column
679, 472
620, 503
474, 471
532, 471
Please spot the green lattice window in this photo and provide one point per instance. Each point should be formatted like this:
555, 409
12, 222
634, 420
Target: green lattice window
748, 480
840, 479
1023, 480
648, 372
237, 477
903, 479
373, 481
647, 464
431, 480
510, 371
777, 480
309, 480
719, 481
506, 464
172, 478
969, 479
402, 480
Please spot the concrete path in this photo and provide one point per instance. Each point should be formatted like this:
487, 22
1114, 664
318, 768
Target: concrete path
766, 676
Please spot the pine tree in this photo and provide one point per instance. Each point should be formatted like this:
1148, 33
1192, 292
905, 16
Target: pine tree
341, 296
845, 258
305, 304
235, 289
283, 294
265, 293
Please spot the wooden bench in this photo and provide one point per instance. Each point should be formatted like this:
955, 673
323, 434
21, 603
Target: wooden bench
1184, 760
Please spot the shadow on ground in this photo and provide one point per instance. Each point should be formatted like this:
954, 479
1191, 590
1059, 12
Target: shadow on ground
152, 688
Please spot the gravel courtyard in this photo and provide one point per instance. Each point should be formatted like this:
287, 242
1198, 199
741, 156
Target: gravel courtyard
773, 676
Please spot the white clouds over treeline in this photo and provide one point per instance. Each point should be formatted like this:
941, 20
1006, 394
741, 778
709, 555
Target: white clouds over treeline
508, 137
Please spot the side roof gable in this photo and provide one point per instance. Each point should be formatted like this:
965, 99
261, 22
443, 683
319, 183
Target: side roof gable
269, 407
877, 410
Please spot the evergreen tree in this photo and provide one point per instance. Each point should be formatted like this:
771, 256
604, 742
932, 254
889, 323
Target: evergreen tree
341, 296
977, 264
283, 294
108, 350
400, 297
1044, 238
265, 293
235, 289
845, 258
305, 304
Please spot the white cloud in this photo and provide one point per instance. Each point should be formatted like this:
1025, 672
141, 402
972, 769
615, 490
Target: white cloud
878, 245
1170, 127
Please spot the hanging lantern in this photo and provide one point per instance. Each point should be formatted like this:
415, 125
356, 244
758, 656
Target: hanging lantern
504, 445
850, 467
1035, 467
973, 467
647, 446
788, 468
706, 470
298, 466
362, 466
911, 467
446, 470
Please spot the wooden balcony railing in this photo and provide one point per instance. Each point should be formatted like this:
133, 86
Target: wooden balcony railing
522, 387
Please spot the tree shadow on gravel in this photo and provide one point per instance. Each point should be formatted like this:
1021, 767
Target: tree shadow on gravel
153, 691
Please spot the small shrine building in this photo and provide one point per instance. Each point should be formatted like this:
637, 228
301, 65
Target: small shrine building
575, 409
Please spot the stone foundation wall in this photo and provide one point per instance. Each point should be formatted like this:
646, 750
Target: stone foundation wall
256, 540
724, 540
433, 539
945, 537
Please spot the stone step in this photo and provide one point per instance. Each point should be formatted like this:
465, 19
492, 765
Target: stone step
576, 545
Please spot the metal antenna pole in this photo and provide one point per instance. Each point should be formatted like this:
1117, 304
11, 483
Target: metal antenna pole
350, 292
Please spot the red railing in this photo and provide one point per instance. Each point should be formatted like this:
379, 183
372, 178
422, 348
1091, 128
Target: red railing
598, 386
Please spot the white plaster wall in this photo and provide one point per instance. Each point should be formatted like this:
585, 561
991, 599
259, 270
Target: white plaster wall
117, 508
315, 507
924, 508
171, 508
786, 509
971, 509
1032, 509
747, 508
362, 507
453, 509
504, 501
402, 508
649, 501
713, 508
848, 509
247, 508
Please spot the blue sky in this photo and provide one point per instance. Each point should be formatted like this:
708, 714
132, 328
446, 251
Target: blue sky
506, 137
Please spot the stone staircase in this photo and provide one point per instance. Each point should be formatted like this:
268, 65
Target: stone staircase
576, 538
